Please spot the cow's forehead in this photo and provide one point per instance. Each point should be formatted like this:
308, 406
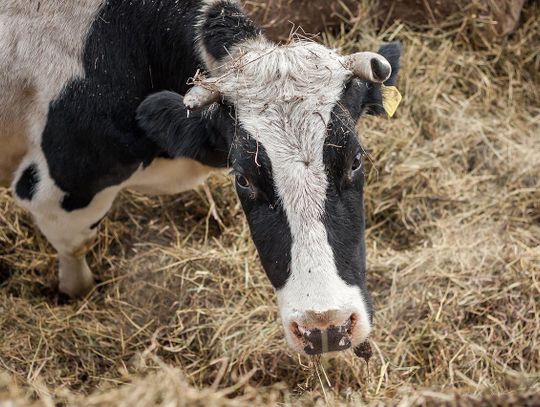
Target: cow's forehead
284, 97
301, 74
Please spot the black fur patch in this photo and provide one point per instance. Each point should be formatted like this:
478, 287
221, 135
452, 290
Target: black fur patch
92, 140
392, 52
226, 25
26, 185
266, 217
344, 212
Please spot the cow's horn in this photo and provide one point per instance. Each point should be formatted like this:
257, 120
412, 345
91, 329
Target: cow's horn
198, 97
369, 66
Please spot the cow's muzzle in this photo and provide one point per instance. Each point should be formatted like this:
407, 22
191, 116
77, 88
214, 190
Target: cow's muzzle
332, 338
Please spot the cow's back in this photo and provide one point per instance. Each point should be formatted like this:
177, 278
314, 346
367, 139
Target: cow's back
41, 44
74, 74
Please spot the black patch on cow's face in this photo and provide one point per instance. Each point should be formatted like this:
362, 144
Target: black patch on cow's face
27, 183
344, 207
344, 217
266, 217
225, 25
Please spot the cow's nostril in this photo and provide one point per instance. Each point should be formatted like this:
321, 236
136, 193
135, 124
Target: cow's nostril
295, 329
351, 323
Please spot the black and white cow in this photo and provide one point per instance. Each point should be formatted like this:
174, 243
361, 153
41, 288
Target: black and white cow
90, 104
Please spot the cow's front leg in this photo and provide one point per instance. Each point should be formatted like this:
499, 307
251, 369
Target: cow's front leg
72, 233
74, 276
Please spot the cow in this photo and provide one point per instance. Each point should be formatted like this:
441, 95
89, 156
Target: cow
102, 95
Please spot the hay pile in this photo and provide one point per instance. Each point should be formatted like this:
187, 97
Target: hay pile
185, 316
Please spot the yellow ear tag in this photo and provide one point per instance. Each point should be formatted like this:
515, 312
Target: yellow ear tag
391, 99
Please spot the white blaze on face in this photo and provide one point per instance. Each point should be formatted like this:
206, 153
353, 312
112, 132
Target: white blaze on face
284, 97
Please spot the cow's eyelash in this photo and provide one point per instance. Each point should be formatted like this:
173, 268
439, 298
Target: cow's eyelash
235, 171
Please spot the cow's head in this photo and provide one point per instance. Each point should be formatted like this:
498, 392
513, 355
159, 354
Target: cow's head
287, 116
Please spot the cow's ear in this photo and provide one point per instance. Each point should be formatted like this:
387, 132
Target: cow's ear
372, 102
392, 52
361, 96
204, 135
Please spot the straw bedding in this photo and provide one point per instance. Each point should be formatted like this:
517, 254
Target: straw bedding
184, 314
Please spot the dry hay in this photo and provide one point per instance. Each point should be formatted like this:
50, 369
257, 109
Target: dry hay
185, 316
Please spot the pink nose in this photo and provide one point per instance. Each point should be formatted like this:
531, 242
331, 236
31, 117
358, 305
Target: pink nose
322, 332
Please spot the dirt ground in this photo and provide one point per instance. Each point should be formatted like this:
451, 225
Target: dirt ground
184, 314
491, 18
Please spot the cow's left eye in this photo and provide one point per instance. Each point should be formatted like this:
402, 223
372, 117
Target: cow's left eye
357, 162
242, 182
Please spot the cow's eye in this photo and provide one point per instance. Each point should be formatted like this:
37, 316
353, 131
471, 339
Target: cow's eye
242, 182
357, 162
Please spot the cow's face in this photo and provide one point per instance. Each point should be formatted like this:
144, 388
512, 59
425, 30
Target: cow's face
298, 169
302, 193
299, 176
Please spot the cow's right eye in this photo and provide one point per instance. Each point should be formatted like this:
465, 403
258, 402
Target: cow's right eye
357, 162
242, 182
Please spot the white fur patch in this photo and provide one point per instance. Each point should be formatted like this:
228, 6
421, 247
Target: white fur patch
34, 37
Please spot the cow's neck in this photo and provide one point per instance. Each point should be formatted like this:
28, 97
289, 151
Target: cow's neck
183, 39
169, 40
